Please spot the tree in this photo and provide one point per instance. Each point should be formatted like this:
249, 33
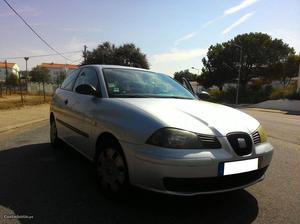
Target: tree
12, 80
218, 69
39, 74
126, 54
185, 73
285, 70
259, 51
60, 78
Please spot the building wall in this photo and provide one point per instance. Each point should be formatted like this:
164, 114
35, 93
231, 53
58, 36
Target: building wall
14, 70
3, 73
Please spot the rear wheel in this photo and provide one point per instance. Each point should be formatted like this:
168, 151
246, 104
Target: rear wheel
55, 141
112, 172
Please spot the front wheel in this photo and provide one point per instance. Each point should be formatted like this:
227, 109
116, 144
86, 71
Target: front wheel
112, 172
54, 140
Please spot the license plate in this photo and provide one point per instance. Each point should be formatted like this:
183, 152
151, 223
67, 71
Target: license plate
229, 168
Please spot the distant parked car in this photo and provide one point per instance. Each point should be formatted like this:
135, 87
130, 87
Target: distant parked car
145, 129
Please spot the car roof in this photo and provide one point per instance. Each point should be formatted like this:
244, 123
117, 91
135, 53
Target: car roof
113, 66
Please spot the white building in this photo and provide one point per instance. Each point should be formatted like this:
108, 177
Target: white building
12, 68
56, 69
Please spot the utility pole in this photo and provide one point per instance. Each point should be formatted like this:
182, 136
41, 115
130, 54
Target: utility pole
6, 76
239, 75
44, 93
20, 87
298, 85
26, 78
85, 52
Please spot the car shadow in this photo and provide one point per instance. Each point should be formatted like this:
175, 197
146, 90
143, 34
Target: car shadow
59, 186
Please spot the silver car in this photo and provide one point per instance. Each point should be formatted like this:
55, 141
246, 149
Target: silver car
145, 129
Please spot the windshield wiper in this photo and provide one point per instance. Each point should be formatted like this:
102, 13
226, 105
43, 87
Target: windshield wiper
130, 96
148, 96
175, 97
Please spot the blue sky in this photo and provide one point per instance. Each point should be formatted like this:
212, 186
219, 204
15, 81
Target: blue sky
175, 35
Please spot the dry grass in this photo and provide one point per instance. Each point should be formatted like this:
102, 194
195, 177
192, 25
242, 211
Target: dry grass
14, 101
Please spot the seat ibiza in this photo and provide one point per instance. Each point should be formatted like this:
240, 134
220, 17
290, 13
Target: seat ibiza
145, 129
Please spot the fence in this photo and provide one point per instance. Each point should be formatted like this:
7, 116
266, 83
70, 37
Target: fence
24, 89
30, 88
38, 88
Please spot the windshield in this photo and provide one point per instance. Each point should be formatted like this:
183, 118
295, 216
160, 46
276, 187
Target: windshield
132, 83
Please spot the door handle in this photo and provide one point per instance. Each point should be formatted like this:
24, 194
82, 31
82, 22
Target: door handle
66, 102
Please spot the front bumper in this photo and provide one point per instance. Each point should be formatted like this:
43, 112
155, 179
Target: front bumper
191, 172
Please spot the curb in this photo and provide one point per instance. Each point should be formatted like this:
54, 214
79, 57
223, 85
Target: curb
267, 110
8, 128
273, 110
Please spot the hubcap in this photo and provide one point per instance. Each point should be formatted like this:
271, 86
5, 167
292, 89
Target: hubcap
111, 169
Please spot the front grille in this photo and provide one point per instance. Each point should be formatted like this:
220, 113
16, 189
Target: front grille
212, 183
209, 141
256, 137
240, 142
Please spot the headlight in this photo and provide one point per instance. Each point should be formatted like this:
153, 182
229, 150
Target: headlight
181, 139
262, 134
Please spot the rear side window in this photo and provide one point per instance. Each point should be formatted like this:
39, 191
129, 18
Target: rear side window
68, 83
87, 76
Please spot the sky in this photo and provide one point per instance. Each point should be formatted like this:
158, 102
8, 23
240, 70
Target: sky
174, 34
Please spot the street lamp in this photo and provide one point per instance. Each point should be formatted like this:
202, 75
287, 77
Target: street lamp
239, 74
198, 70
298, 84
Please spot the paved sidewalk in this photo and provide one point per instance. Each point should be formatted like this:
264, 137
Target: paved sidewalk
282, 105
10, 119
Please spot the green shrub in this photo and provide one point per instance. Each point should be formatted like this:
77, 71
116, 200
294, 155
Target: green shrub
277, 94
258, 93
216, 95
221, 96
251, 94
285, 93
230, 95
293, 96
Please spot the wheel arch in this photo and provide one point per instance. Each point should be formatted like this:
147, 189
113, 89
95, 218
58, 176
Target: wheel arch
106, 139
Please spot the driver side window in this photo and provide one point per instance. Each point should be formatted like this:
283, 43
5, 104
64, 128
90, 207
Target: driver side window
68, 83
87, 76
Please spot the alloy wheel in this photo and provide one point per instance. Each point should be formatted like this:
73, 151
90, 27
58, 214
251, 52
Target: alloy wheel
111, 170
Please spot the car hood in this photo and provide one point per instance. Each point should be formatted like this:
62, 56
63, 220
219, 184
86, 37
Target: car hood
195, 115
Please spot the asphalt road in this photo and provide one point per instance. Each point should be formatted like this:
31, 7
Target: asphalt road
58, 186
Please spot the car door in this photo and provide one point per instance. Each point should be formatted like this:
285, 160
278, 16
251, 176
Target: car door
61, 103
81, 111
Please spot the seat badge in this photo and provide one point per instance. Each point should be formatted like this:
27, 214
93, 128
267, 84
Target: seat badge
242, 143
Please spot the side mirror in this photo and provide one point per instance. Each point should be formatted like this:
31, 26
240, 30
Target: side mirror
203, 95
86, 89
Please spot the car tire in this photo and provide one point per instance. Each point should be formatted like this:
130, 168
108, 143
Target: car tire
54, 140
112, 171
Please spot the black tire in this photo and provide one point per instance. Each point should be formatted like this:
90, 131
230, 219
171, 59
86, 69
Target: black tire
54, 140
112, 171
